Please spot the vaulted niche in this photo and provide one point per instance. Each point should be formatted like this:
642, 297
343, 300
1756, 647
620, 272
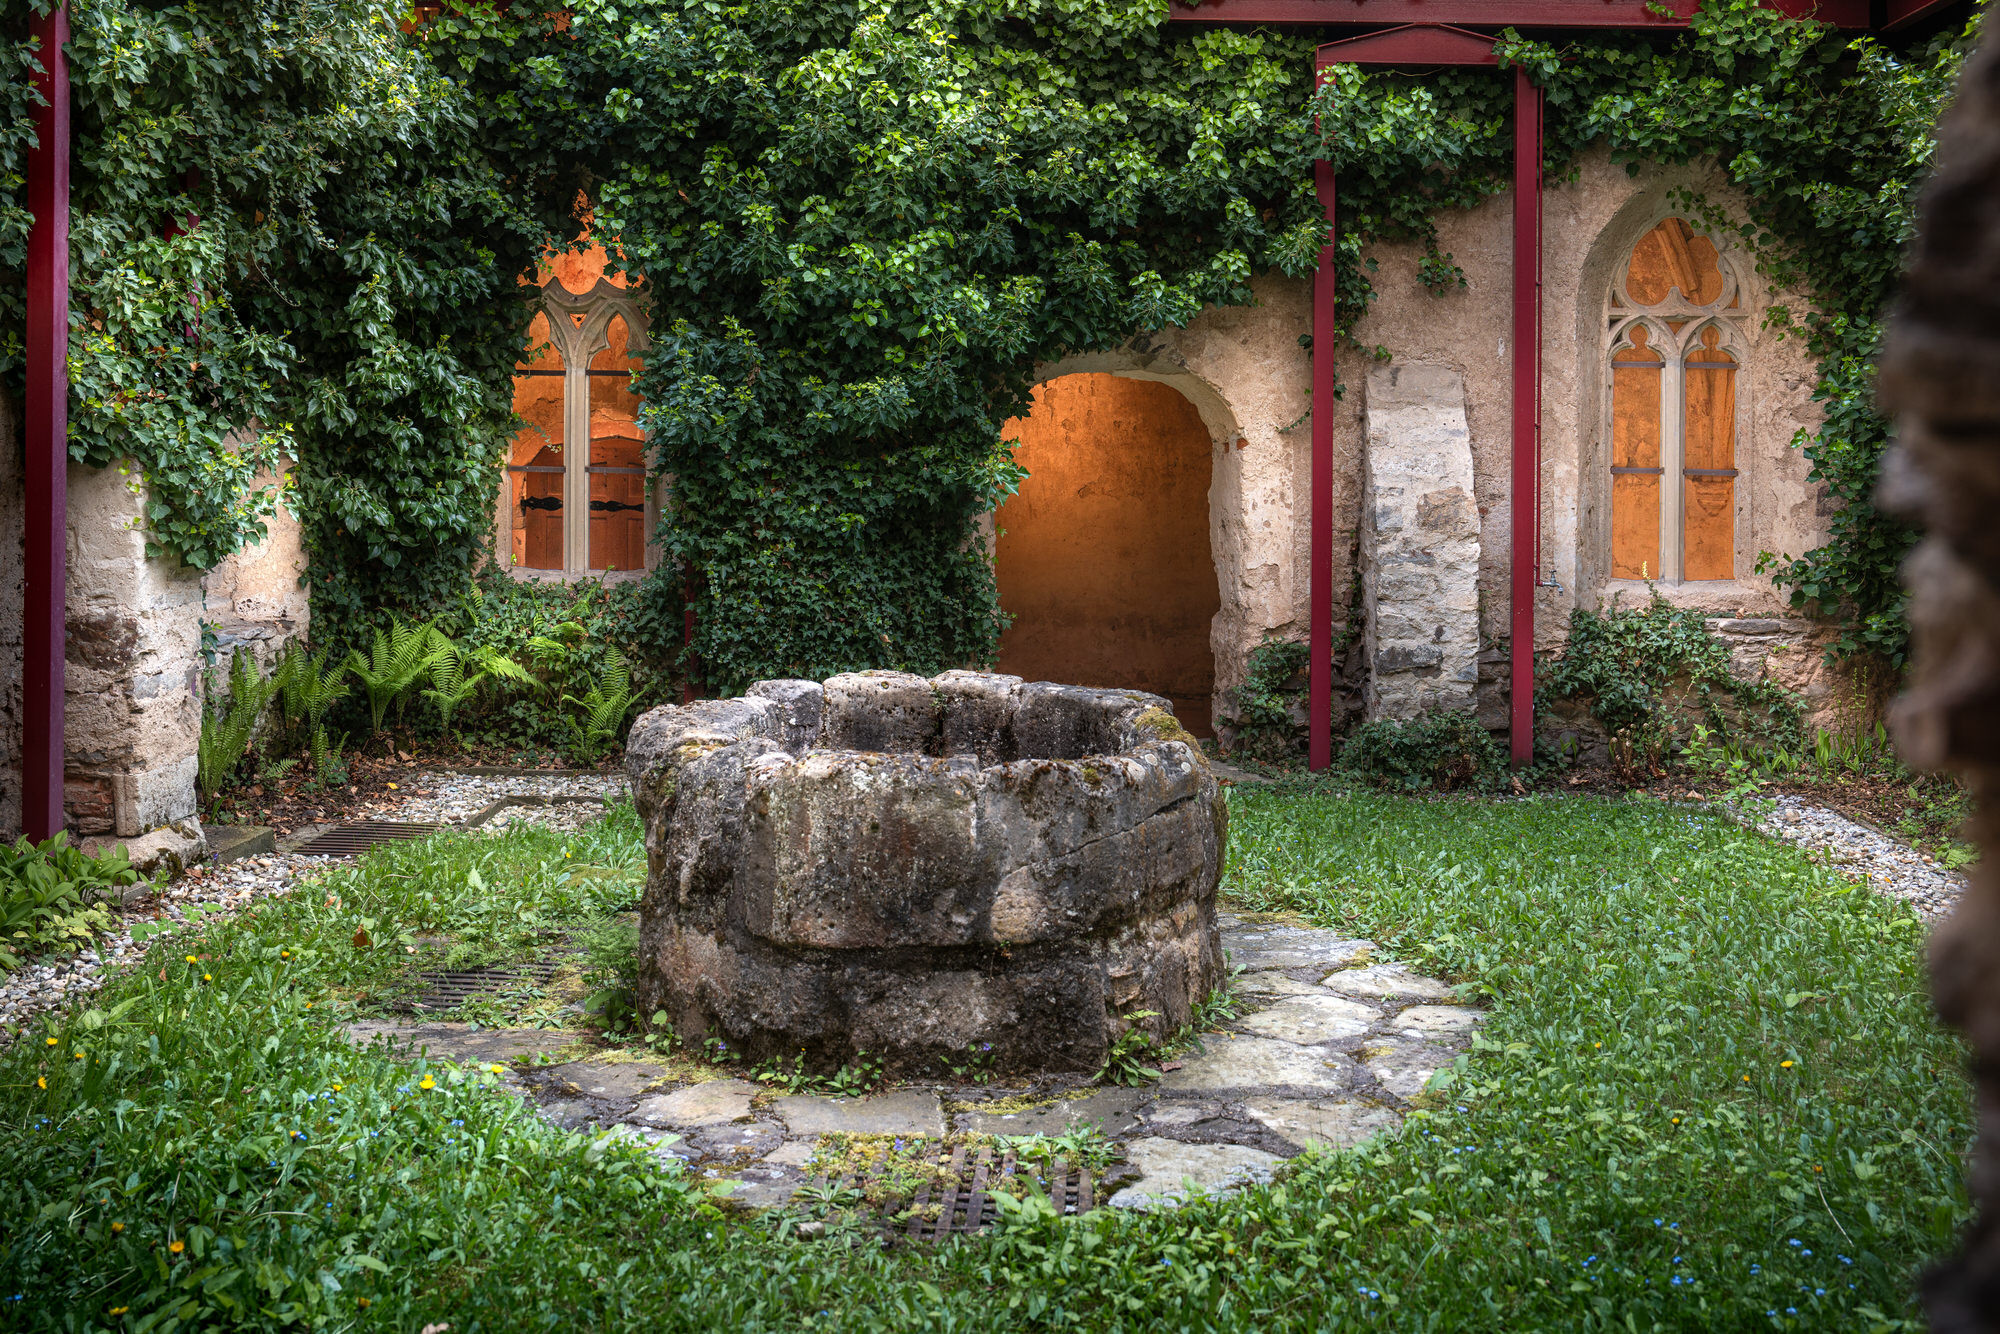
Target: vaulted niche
1103, 557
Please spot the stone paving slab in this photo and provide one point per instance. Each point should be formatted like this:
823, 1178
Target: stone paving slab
903, 1112
461, 1042
1338, 1123
1387, 982
1328, 1048
1252, 1063
1110, 1110
716, 1103
1169, 1171
1310, 1020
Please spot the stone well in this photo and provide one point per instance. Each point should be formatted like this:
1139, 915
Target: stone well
910, 867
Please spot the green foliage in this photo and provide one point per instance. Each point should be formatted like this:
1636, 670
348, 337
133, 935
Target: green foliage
1520, 1197
49, 896
458, 672
306, 689
1442, 750
228, 722
1129, 1059
600, 712
1267, 705
283, 214
1650, 673
396, 666
861, 227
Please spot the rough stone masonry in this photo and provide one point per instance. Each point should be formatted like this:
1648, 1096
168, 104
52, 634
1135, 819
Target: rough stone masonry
1419, 543
914, 867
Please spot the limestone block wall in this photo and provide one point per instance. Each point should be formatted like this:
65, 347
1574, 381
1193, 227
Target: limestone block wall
256, 598
130, 715
1419, 543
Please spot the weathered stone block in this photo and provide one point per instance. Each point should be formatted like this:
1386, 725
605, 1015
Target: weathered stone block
801, 705
867, 893
885, 711
1419, 543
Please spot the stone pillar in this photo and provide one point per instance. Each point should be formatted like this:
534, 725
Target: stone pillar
1419, 543
131, 716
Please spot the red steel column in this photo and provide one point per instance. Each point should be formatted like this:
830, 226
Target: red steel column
48, 438
1319, 675
1526, 484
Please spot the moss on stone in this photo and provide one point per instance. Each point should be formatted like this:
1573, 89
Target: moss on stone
1165, 727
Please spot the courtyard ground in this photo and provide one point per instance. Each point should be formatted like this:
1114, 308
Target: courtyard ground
1706, 1093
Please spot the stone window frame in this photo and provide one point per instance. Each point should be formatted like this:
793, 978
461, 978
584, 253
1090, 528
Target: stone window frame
1729, 313
577, 344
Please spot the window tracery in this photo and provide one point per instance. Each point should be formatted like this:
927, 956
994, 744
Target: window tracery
583, 509
1676, 344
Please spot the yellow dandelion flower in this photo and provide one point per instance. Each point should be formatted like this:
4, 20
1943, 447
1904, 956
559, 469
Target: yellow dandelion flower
497, 1069
1784, 1065
52, 1042
176, 1246
192, 959
428, 1083
117, 1227
119, 1310
40, 1082
207, 977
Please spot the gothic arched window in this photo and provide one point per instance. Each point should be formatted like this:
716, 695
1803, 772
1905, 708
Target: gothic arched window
575, 510
1675, 318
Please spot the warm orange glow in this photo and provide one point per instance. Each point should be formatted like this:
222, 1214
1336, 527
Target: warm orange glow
1674, 257
1637, 370
1710, 544
617, 499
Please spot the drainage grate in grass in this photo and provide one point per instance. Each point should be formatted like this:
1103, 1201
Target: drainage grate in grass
959, 1199
451, 988
357, 836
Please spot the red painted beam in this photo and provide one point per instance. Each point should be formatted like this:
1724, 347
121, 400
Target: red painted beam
1411, 44
1526, 480
1902, 13
1319, 585
1495, 13
48, 438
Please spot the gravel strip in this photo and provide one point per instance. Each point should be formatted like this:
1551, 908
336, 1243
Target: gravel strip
447, 798
1855, 850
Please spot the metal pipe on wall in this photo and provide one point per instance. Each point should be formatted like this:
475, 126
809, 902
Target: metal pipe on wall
47, 412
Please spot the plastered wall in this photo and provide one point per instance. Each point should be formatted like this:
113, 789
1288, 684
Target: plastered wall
1247, 374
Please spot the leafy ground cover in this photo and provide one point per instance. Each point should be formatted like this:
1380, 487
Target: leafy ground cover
1710, 1097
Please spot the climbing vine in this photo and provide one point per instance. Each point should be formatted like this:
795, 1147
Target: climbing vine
861, 224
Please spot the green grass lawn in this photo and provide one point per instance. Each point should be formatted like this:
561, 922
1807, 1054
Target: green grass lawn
1710, 1091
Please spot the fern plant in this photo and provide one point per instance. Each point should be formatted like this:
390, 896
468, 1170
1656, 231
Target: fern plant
602, 710
328, 770
306, 689
226, 728
458, 672
397, 661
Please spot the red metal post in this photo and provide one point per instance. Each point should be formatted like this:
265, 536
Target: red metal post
1527, 404
48, 438
1319, 584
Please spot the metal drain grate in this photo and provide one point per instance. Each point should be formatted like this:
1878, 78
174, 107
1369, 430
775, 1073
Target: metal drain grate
960, 1199
357, 836
450, 989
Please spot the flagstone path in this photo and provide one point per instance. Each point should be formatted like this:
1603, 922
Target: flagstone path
1329, 1046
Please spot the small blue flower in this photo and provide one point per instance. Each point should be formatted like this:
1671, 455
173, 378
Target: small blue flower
1794, 1242
1843, 1259
1805, 1252
1819, 1292
1791, 1310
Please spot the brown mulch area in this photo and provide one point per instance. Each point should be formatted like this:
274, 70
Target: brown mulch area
375, 783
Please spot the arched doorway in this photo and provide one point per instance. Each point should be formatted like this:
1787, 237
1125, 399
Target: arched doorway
1103, 557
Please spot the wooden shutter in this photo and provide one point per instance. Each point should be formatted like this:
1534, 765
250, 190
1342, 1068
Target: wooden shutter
1709, 475
1637, 371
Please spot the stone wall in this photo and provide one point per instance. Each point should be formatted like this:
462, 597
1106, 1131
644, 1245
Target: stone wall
1248, 375
256, 598
1419, 544
130, 716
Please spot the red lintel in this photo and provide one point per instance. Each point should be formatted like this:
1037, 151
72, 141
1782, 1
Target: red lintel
1411, 44
1902, 13
1506, 13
